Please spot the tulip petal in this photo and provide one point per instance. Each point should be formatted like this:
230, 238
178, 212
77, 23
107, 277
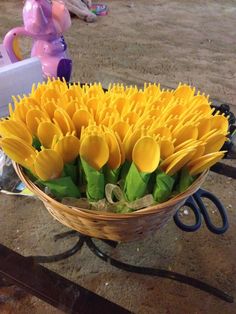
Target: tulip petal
179, 162
63, 120
121, 128
68, 148
114, 160
146, 154
166, 148
14, 128
81, 118
33, 118
220, 123
215, 143
186, 133
94, 150
19, 151
204, 162
46, 133
48, 165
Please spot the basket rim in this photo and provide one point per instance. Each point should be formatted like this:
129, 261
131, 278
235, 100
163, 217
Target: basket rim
109, 215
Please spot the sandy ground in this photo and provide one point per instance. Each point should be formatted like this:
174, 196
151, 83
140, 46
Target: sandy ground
156, 41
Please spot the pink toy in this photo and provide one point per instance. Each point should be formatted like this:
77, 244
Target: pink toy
44, 21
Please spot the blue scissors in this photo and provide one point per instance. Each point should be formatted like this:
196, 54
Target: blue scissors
195, 203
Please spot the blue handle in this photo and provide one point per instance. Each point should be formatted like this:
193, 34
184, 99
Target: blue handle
190, 203
205, 194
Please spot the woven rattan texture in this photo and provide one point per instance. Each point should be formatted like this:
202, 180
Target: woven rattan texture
112, 226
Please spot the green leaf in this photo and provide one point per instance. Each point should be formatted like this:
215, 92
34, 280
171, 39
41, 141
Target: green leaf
81, 179
36, 143
151, 182
111, 175
62, 187
95, 182
185, 180
125, 169
136, 183
30, 175
71, 170
163, 187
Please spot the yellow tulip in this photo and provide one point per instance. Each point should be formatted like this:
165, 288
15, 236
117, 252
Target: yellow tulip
122, 150
147, 123
60, 86
33, 118
71, 107
94, 90
117, 121
49, 107
46, 133
81, 118
109, 121
48, 164
121, 127
204, 126
146, 154
19, 151
114, 160
50, 94
73, 92
131, 118
215, 143
36, 93
94, 150
185, 133
20, 110
207, 136
129, 143
32, 102
204, 162
140, 110
166, 148
166, 97
93, 105
106, 112
152, 90
187, 144
220, 123
177, 160
63, 120
184, 91
200, 100
162, 132
120, 104
174, 124
68, 148
14, 128
200, 150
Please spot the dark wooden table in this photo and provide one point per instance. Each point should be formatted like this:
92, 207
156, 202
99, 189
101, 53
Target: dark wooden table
51, 287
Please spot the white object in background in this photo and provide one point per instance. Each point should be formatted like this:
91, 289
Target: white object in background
4, 58
17, 79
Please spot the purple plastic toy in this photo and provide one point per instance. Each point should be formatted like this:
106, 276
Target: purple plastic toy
44, 21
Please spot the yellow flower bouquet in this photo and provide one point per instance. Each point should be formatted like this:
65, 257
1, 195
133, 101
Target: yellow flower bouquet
121, 149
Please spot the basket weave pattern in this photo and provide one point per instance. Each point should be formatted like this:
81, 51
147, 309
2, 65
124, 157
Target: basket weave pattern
112, 226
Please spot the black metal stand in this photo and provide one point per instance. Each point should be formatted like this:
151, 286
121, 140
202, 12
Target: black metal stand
127, 267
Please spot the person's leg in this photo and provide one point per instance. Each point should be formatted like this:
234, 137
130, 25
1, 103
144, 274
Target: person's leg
79, 8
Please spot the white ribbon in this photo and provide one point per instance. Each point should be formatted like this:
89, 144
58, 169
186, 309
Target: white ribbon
114, 190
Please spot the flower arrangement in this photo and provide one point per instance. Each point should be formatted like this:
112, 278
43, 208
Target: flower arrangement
125, 148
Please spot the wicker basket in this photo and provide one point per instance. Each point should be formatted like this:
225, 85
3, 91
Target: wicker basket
112, 226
